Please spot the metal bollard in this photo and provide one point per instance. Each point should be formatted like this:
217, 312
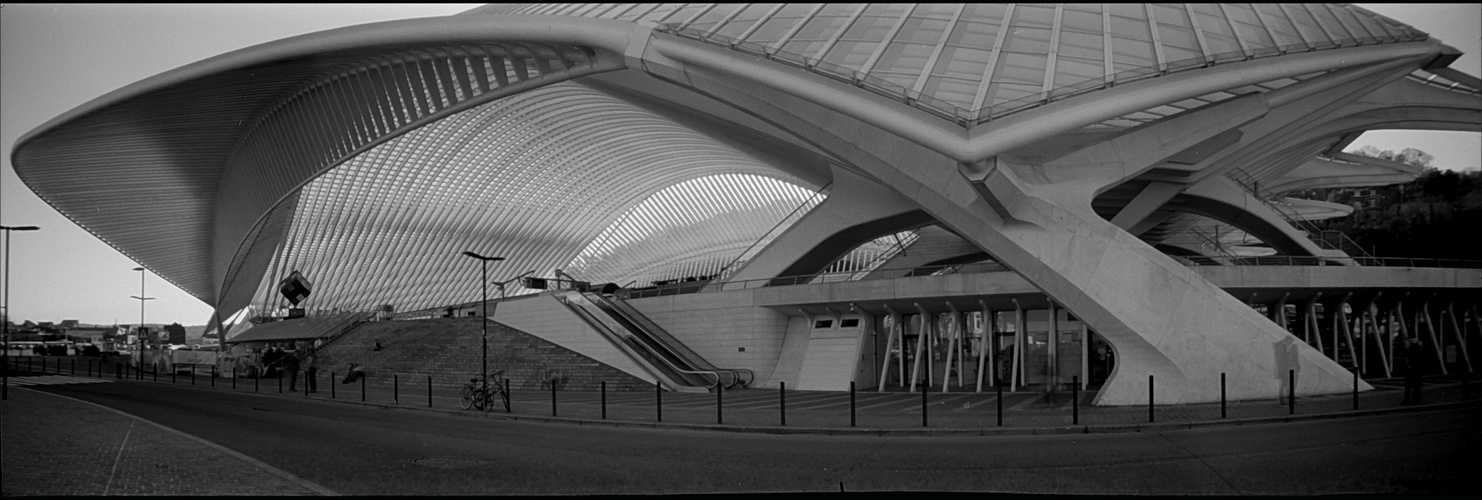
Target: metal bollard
192, 375
362, 388
851, 403
173, 376
1075, 400
998, 385
1355, 388
1291, 393
213, 375
553, 398
718, 392
509, 400
234, 377
156, 372
331, 384
923, 405
782, 398
280, 382
257, 382
1222, 395
395, 389
604, 400
1150, 398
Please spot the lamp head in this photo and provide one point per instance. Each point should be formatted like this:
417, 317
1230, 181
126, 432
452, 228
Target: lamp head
480, 257
138, 269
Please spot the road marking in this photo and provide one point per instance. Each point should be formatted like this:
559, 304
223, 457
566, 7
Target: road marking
283, 474
54, 380
118, 458
1028, 402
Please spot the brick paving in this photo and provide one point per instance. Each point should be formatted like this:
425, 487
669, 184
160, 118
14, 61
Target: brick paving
59, 446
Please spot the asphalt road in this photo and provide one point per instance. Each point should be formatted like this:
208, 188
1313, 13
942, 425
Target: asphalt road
361, 450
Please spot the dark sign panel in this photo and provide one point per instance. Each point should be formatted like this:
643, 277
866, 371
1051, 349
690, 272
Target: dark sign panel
295, 287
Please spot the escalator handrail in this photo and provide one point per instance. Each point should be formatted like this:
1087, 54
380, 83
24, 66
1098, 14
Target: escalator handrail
664, 340
618, 313
590, 319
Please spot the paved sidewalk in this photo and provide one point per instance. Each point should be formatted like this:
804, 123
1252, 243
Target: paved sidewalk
54, 445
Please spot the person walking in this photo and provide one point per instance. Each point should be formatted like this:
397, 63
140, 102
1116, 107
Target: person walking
292, 363
311, 385
1414, 369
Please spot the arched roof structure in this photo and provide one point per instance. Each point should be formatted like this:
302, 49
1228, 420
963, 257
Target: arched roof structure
369, 156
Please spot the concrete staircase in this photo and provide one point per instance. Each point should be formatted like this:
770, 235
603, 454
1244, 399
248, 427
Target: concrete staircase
449, 349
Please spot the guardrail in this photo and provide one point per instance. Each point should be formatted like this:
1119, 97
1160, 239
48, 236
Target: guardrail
1282, 260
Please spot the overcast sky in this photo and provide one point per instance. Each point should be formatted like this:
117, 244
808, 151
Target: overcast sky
56, 57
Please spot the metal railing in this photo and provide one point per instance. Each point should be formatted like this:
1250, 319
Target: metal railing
1326, 239
1287, 260
986, 267
787, 221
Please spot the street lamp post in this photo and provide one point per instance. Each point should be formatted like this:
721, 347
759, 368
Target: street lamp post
484, 262
5, 325
141, 298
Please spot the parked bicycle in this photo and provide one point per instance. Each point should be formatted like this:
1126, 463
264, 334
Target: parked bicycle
478, 393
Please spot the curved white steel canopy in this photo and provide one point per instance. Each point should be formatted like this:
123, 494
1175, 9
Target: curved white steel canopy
345, 121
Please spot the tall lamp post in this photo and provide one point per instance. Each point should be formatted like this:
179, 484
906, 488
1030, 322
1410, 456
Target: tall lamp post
5, 325
484, 262
141, 298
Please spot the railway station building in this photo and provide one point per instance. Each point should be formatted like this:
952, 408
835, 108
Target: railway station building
950, 196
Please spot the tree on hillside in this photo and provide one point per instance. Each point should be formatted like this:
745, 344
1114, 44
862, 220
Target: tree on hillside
1433, 216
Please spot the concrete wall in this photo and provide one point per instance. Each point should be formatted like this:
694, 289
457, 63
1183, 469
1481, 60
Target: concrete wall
794, 351
832, 355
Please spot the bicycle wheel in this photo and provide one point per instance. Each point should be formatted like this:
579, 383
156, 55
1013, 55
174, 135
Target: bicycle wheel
465, 398
504, 396
488, 400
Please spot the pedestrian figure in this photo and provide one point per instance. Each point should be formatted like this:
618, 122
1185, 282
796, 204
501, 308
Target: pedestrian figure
378, 345
1414, 368
354, 373
292, 367
312, 384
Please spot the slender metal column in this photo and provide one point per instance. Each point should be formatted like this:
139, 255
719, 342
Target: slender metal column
1425, 308
1461, 336
892, 339
985, 348
1018, 365
1052, 378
